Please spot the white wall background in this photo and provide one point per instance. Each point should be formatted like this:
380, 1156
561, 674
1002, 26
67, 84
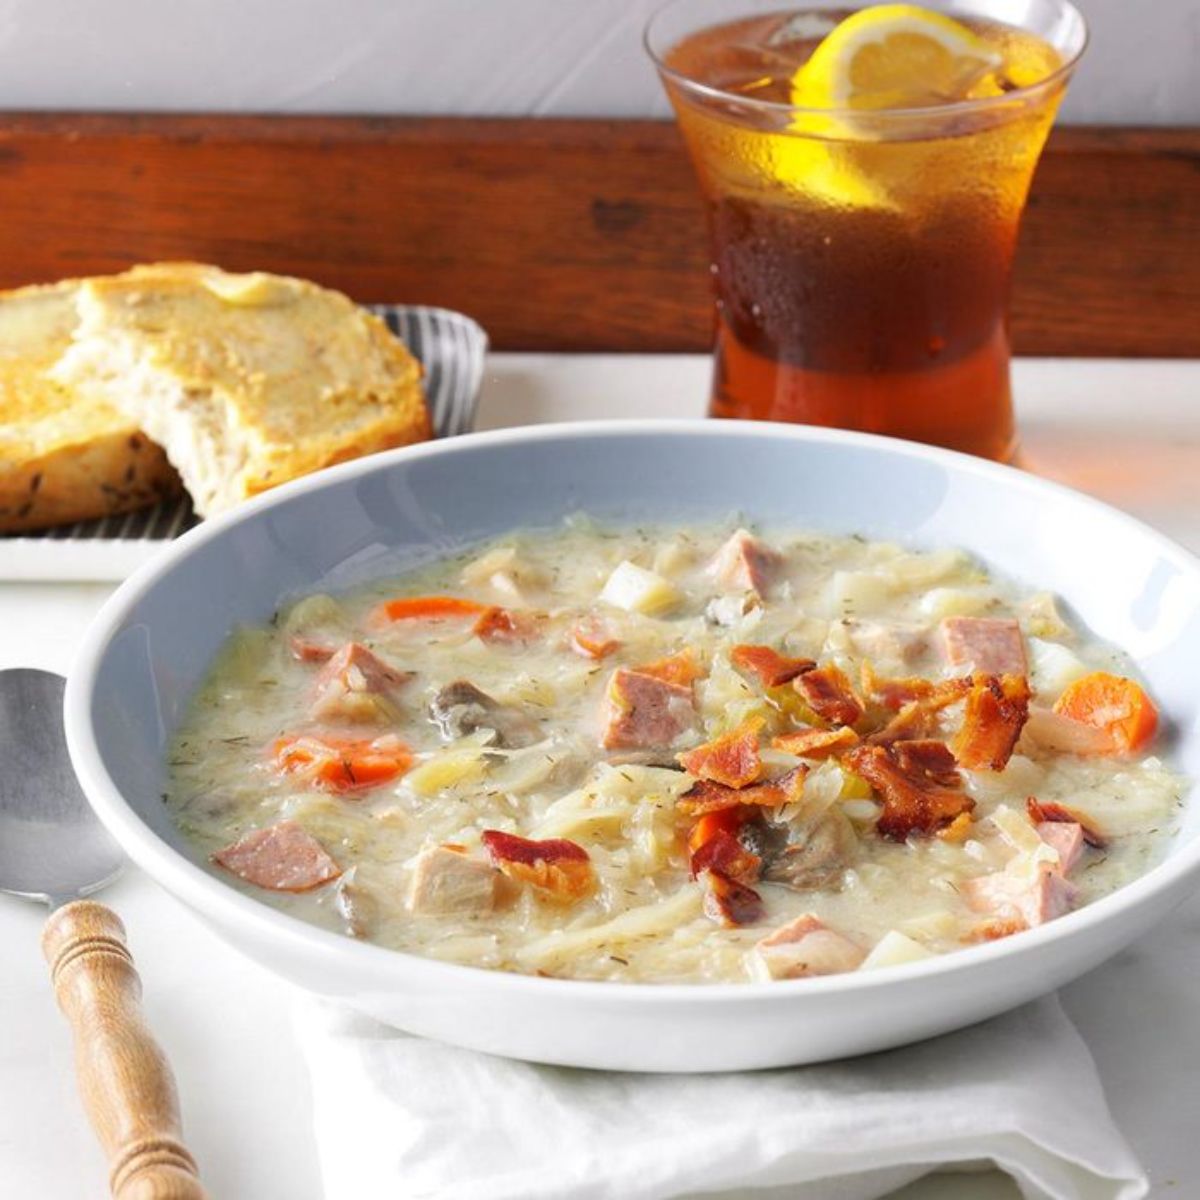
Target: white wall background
510, 57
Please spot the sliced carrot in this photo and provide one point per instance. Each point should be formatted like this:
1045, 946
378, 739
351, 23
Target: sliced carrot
343, 764
1111, 703
430, 608
713, 845
712, 824
681, 669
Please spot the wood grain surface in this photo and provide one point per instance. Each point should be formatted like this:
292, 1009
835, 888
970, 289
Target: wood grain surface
124, 1078
555, 234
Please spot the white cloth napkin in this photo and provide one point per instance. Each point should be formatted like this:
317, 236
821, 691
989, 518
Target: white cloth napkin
404, 1118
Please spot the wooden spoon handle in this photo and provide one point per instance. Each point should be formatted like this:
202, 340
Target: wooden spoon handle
124, 1077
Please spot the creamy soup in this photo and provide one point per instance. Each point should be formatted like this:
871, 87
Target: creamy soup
685, 755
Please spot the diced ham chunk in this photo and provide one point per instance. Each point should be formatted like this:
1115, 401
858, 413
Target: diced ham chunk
744, 563
806, 946
731, 759
995, 714
1066, 839
1014, 898
355, 685
1041, 811
282, 857
992, 645
557, 869
645, 713
308, 649
827, 691
447, 880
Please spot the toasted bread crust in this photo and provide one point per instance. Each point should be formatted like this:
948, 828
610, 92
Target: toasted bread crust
109, 474
63, 457
247, 381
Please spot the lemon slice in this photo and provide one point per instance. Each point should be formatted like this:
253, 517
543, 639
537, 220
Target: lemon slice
889, 56
894, 56
827, 172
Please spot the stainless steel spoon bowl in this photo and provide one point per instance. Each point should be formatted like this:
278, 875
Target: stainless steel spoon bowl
52, 848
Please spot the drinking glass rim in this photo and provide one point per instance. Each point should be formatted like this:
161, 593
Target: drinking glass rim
780, 108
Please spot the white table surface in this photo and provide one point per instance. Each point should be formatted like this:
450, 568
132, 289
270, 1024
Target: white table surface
1127, 431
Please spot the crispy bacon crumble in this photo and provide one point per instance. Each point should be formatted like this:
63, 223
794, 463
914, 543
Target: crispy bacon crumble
680, 669
705, 796
828, 692
917, 782
996, 712
816, 743
731, 759
728, 902
559, 870
768, 666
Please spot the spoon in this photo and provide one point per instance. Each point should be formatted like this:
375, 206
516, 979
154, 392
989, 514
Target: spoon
53, 849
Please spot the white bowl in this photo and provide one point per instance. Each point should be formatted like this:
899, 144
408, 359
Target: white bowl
152, 642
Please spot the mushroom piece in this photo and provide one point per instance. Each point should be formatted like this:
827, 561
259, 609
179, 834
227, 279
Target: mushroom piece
812, 855
460, 709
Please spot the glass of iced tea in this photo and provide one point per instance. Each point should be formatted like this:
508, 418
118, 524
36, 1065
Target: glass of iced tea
864, 172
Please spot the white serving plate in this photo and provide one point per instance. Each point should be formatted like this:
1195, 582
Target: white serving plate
152, 642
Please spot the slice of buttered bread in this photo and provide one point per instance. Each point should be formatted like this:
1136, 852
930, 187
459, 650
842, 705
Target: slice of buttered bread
63, 457
247, 381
